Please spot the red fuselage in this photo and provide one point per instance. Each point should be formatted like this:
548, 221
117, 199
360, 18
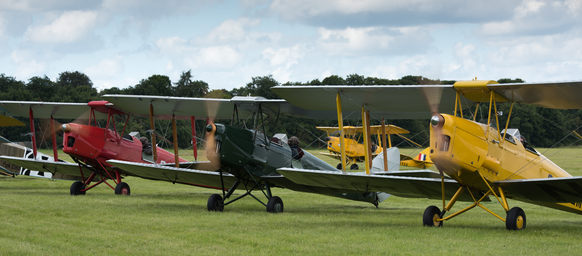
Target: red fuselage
94, 145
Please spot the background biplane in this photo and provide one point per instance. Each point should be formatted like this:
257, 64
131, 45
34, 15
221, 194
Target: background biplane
481, 158
88, 144
241, 155
355, 150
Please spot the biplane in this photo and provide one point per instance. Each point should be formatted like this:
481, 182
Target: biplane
355, 150
241, 156
479, 160
91, 140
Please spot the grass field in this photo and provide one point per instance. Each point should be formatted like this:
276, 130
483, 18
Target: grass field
159, 218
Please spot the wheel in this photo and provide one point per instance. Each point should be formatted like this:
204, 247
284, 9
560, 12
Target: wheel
515, 219
122, 188
77, 188
215, 203
353, 167
431, 214
275, 205
339, 166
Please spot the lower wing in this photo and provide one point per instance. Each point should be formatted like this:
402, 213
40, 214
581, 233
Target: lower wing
175, 175
551, 190
404, 186
60, 170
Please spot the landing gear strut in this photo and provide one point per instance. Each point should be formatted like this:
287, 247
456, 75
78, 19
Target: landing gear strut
217, 202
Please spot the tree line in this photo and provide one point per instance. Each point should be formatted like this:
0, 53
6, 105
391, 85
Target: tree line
542, 127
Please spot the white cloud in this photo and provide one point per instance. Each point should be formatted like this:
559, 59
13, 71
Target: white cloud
282, 60
231, 30
215, 57
365, 13
106, 68
69, 27
373, 40
26, 64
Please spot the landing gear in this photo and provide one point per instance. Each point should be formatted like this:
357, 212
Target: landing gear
122, 188
353, 167
430, 217
275, 205
77, 188
215, 203
515, 219
339, 166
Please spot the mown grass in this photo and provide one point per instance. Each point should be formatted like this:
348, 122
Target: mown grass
159, 218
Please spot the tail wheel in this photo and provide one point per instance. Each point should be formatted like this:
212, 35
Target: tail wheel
430, 217
515, 219
122, 188
354, 167
275, 205
77, 188
215, 203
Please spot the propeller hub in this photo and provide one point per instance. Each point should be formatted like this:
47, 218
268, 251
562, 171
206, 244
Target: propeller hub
437, 120
209, 127
66, 127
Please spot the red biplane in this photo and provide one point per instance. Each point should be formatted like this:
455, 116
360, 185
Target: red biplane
88, 144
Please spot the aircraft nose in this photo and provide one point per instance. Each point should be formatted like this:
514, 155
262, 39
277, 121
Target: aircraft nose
66, 127
437, 120
209, 127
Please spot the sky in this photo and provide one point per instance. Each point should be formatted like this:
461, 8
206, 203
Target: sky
117, 43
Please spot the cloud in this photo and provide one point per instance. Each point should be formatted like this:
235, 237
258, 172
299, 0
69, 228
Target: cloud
214, 57
26, 64
67, 28
366, 13
231, 30
374, 40
532, 17
106, 68
282, 60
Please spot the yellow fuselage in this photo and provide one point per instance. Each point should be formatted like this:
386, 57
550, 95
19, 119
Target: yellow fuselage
461, 147
354, 151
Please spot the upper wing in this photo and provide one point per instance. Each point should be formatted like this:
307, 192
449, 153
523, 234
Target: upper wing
175, 175
563, 95
404, 186
556, 190
388, 101
58, 110
60, 170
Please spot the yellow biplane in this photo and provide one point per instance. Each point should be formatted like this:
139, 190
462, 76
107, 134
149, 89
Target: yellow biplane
355, 150
483, 160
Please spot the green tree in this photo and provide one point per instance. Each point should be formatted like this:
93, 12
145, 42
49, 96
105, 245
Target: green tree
185, 87
219, 94
260, 86
40, 88
355, 79
333, 80
154, 85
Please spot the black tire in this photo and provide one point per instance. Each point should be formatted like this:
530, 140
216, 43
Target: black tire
122, 188
339, 166
275, 205
515, 219
215, 203
77, 187
430, 215
354, 167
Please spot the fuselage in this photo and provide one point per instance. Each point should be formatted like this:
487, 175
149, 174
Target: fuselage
461, 148
354, 150
95, 145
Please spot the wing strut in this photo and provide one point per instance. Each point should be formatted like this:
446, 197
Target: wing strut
384, 145
366, 124
54, 139
340, 122
153, 134
194, 147
175, 141
31, 119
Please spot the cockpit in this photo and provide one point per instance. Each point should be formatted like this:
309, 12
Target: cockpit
513, 136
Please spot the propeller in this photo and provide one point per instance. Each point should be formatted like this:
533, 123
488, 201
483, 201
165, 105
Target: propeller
45, 126
210, 137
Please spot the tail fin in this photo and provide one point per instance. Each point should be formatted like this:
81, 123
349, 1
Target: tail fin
393, 155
